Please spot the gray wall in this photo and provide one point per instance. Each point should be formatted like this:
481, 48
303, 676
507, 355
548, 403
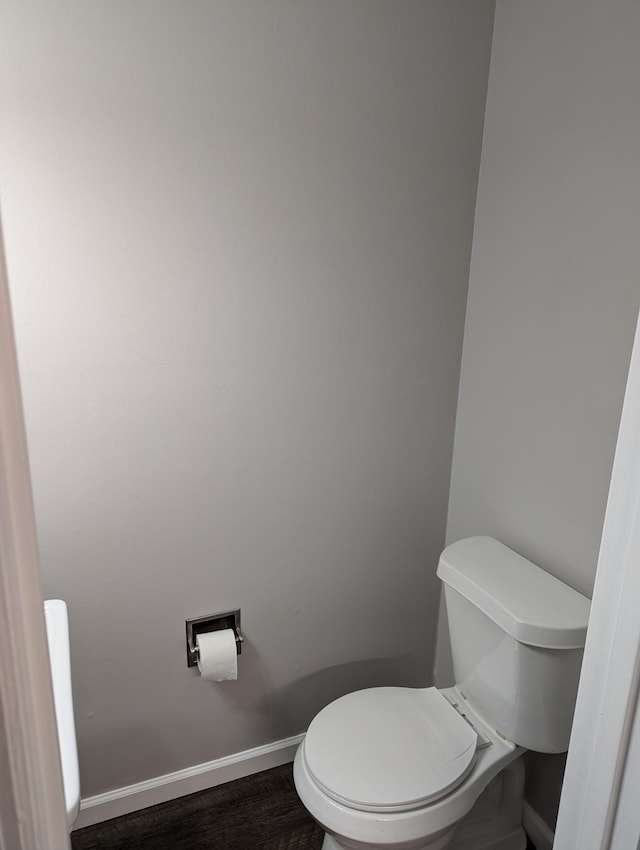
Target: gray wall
238, 240
553, 292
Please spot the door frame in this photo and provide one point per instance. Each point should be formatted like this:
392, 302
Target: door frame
598, 806
32, 805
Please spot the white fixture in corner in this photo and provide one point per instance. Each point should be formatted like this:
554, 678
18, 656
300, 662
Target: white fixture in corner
423, 769
57, 620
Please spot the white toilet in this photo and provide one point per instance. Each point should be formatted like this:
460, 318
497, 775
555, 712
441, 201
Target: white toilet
413, 768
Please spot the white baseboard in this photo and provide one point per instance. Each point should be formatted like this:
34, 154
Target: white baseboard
537, 829
160, 789
121, 801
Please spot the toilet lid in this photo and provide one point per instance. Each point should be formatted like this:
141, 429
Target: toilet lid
389, 749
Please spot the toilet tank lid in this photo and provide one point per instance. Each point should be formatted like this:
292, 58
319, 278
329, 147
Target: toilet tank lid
531, 605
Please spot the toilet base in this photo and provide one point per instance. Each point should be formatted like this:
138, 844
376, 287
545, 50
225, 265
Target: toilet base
330, 843
494, 823
511, 838
515, 840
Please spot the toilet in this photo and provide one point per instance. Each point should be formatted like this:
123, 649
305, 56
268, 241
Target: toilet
417, 768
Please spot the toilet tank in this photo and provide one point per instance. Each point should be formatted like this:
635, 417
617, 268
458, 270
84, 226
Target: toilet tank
517, 638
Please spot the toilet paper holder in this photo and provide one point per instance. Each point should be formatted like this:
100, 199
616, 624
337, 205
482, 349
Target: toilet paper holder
211, 623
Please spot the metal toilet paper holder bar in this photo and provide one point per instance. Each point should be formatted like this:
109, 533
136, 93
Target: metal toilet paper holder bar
211, 623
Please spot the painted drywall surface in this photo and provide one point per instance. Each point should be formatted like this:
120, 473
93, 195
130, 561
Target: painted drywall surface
553, 292
238, 239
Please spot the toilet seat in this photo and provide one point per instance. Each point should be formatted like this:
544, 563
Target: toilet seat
389, 749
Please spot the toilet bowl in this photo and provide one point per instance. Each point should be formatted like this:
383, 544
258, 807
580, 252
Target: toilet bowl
368, 787
403, 768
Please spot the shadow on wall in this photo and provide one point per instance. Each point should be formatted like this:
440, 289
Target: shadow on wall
121, 745
289, 710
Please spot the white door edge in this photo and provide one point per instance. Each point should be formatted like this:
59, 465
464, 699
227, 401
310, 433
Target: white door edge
32, 807
596, 809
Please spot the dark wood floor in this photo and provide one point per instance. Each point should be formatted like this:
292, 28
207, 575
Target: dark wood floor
259, 812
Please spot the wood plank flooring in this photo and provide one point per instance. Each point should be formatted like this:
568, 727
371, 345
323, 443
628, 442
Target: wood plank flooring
259, 812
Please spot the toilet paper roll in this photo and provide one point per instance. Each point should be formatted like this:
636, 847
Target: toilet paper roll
217, 658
